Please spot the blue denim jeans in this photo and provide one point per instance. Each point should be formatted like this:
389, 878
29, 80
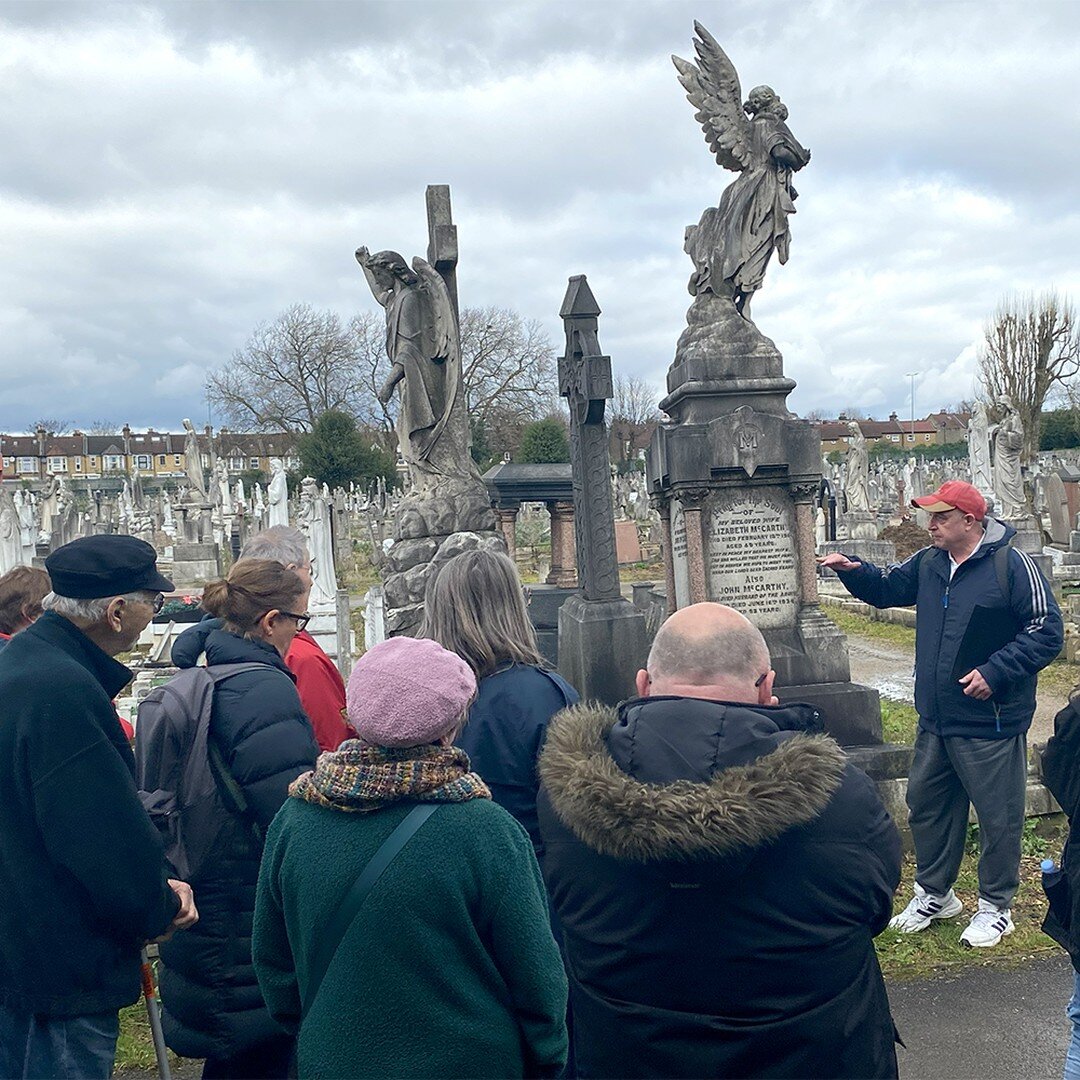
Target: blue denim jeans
1072, 1055
67, 1048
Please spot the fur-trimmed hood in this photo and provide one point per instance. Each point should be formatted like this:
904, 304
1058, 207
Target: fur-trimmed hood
779, 780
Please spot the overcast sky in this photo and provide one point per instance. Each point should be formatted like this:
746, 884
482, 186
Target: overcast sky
173, 174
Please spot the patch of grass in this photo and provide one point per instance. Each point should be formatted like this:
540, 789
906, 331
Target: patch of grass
938, 948
899, 721
135, 1044
1059, 679
851, 622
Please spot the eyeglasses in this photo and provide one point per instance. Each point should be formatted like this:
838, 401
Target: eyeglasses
301, 620
158, 602
760, 679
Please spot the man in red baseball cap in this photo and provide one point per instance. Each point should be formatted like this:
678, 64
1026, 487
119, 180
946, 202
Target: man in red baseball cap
986, 625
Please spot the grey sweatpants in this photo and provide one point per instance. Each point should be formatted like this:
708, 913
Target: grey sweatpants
946, 774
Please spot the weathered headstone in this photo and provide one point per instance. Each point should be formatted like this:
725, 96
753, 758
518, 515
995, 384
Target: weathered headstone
601, 634
1057, 507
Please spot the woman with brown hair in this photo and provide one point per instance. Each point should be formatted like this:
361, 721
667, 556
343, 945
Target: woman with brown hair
211, 1001
475, 607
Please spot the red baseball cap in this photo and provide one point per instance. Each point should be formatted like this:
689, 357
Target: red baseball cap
953, 495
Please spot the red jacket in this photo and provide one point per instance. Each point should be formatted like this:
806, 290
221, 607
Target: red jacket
322, 693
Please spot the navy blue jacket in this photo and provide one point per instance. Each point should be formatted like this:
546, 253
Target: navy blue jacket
82, 869
969, 622
212, 1005
505, 733
720, 871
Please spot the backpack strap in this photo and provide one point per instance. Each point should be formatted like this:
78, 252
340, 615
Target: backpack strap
334, 933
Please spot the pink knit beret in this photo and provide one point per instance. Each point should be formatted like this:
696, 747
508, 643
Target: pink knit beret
407, 691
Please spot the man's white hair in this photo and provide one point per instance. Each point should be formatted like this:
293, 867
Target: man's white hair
92, 610
280, 543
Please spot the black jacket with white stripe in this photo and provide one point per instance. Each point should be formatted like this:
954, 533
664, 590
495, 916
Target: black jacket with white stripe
1010, 635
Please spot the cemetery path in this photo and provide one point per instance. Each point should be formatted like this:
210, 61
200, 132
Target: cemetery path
889, 668
990, 1022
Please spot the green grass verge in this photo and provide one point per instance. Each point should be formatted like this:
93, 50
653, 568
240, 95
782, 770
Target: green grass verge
898, 721
937, 949
851, 622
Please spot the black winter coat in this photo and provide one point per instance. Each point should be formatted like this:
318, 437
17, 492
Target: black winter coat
212, 1006
82, 869
1061, 774
720, 872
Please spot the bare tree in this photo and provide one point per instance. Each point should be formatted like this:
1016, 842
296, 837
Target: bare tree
1032, 346
103, 427
51, 425
369, 340
633, 412
290, 372
508, 365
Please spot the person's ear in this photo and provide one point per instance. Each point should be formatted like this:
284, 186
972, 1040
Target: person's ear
266, 623
113, 613
765, 694
643, 683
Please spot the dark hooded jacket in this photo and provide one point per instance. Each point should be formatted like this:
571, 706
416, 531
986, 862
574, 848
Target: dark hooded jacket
969, 622
212, 1006
720, 872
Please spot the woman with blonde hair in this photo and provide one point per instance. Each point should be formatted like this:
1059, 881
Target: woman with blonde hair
475, 607
210, 996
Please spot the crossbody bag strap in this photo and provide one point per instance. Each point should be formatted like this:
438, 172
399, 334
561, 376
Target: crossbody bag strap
346, 911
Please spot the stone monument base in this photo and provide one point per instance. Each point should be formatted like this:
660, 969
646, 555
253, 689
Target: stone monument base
195, 564
543, 603
602, 646
851, 712
431, 527
1029, 539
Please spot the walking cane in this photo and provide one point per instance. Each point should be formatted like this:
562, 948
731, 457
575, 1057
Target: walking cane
153, 1011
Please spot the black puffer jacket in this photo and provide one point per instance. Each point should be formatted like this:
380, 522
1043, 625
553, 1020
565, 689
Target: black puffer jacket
210, 996
720, 872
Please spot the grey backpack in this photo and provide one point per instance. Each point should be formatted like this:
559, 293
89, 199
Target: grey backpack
184, 782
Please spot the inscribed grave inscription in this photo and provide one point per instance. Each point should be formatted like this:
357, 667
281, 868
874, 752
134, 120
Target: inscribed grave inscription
680, 563
752, 562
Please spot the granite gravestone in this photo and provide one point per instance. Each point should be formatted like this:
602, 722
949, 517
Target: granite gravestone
601, 634
734, 474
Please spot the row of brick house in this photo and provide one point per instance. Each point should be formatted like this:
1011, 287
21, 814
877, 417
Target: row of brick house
937, 429
154, 455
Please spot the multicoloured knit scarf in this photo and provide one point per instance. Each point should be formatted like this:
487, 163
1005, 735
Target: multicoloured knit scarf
360, 778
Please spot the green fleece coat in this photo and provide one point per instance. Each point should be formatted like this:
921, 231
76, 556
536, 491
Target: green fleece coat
448, 970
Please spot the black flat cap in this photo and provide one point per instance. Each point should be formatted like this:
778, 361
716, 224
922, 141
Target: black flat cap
96, 566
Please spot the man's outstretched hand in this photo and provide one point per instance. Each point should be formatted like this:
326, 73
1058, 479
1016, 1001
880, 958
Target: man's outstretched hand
836, 561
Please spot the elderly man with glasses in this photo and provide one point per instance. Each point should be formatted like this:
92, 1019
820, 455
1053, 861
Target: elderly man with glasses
986, 625
83, 880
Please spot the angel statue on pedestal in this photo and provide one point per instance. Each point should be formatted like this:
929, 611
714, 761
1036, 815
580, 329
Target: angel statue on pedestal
425, 355
732, 244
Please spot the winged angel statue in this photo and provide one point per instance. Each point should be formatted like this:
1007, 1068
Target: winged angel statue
732, 244
425, 354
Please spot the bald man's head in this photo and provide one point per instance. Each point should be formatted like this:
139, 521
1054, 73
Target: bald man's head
710, 651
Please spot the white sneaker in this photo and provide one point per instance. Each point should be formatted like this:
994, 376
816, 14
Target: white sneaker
987, 927
924, 909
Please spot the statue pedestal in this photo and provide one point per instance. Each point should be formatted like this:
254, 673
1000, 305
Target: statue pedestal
602, 646
734, 477
431, 527
1029, 539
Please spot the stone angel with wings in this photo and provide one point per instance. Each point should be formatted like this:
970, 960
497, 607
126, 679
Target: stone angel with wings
425, 355
732, 244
